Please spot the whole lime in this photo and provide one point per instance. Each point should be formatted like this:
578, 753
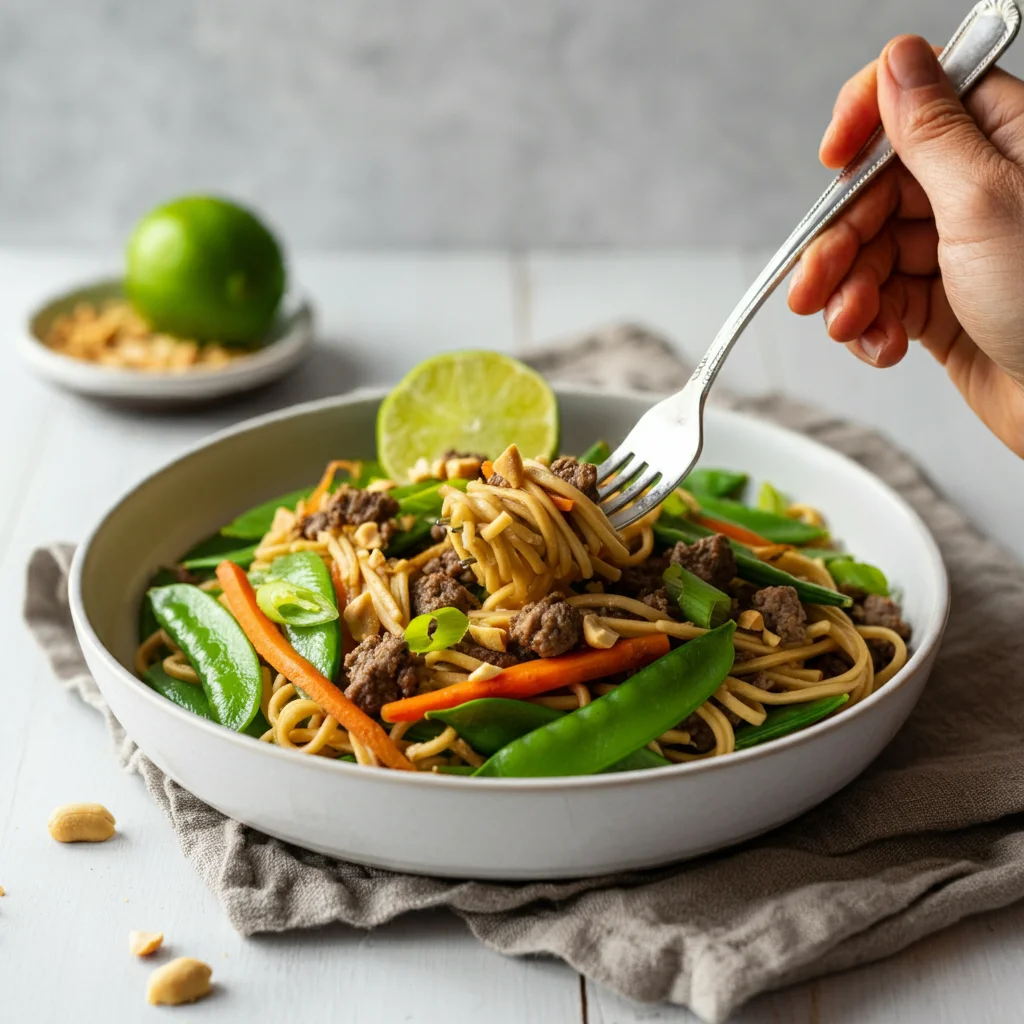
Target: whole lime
205, 268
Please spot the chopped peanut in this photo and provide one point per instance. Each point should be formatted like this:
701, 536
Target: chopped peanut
144, 943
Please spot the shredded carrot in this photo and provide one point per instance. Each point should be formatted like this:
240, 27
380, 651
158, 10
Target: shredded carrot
562, 504
529, 678
740, 533
275, 650
353, 469
487, 468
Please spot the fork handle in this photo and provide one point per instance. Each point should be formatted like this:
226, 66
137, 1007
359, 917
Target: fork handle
976, 45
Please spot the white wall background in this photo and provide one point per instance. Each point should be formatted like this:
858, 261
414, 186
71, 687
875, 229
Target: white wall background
389, 123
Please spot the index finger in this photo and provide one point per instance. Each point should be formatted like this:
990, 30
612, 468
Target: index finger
854, 117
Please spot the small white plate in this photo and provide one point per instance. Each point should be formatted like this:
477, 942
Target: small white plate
288, 343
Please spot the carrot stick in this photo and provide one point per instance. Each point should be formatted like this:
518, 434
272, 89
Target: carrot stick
740, 533
562, 504
348, 642
273, 647
353, 468
487, 468
529, 678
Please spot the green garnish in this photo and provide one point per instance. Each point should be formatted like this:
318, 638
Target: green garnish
450, 627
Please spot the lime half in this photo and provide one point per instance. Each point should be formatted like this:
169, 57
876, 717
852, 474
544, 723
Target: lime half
470, 401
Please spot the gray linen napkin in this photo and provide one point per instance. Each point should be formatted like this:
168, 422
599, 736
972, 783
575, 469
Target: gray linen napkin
929, 834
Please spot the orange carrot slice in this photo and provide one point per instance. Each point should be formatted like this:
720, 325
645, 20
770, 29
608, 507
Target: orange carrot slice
529, 678
740, 533
275, 650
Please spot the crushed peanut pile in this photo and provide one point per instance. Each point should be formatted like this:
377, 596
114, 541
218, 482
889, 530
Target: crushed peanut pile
115, 335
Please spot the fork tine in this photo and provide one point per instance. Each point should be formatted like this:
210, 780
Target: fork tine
616, 461
631, 493
629, 472
655, 496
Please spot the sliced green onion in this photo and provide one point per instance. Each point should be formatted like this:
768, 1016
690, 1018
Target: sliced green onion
784, 720
451, 626
702, 604
770, 500
715, 483
292, 605
860, 575
596, 453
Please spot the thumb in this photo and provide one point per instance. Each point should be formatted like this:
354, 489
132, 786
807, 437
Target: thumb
932, 133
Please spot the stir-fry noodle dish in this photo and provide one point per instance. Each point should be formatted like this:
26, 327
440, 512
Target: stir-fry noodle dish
481, 616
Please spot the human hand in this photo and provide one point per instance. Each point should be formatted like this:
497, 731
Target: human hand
934, 249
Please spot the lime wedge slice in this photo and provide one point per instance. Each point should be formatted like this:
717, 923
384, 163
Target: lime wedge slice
470, 401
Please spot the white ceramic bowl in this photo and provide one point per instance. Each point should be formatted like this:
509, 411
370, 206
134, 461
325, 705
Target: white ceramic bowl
490, 828
288, 343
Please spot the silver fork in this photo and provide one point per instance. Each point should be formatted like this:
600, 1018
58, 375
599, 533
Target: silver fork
666, 442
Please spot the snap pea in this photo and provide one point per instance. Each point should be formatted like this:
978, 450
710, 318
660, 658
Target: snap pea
639, 760
715, 483
748, 566
193, 698
256, 521
216, 648
240, 556
778, 529
787, 719
320, 645
490, 723
147, 620
185, 695
612, 727
864, 577
427, 500
596, 453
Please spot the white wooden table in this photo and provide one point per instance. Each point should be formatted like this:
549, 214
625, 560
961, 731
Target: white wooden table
65, 919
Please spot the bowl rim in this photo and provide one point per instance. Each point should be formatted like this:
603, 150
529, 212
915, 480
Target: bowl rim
294, 314
931, 632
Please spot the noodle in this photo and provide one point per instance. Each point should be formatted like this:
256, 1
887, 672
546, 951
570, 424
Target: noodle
521, 544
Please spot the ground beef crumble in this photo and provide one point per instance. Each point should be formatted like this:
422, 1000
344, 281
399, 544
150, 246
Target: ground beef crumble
438, 590
710, 558
351, 507
783, 613
548, 627
503, 659
449, 563
381, 669
875, 610
582, 475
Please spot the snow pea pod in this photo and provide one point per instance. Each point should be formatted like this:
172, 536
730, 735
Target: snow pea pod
596, 453
490, 723
193, 698
320, 645
216, 648
616, 725
773, 527
784, 720
670, 529
715, 483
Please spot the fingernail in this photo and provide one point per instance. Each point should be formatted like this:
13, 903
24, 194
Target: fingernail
912, 63
871, 343
833, 308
